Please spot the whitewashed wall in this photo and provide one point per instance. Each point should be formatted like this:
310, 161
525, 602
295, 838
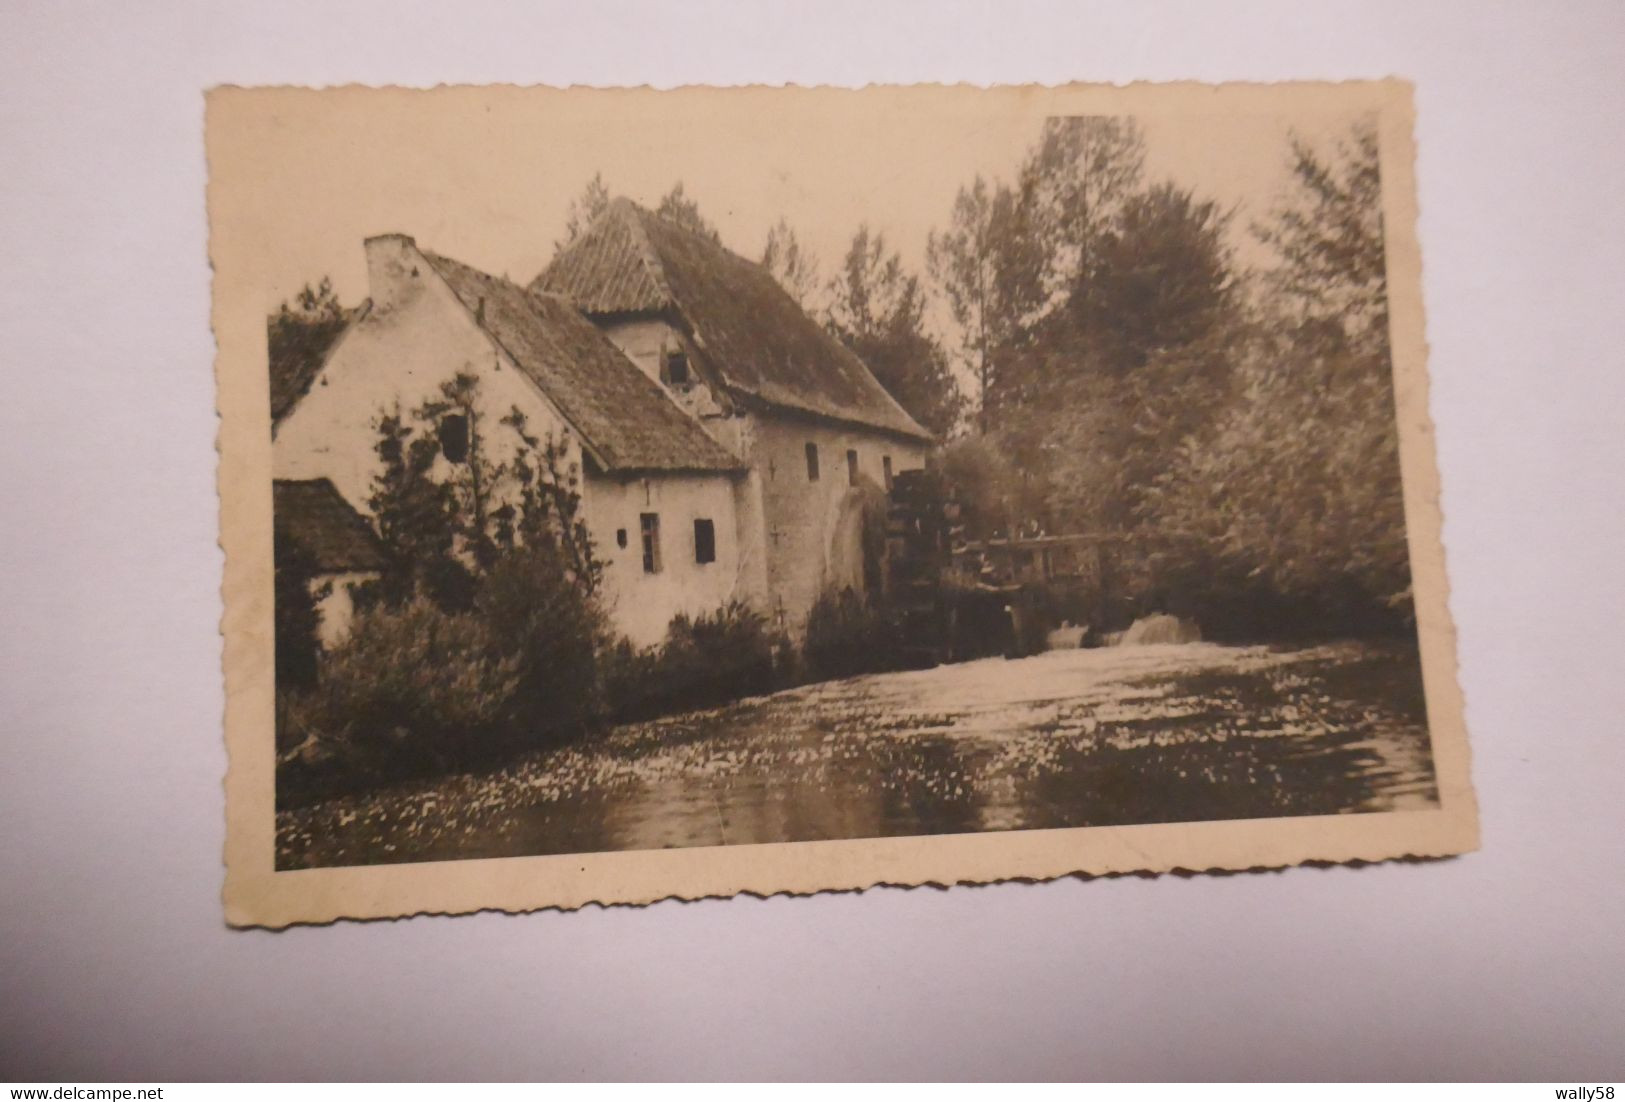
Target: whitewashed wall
813, 536
646, 342
808, 531
642, 604
416, 336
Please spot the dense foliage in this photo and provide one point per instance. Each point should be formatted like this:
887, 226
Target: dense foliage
444, 524
305, 326
484, 633
677, 206
846, 636
415, 678
704, 661
1236, 428
1293, 495
877, 309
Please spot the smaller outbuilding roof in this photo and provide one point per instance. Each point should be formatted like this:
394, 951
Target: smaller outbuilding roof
313, 514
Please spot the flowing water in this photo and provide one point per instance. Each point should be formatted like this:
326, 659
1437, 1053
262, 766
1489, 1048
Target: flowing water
1069, 738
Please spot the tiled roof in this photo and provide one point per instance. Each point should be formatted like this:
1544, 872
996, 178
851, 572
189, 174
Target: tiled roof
611, 268
760, 343
298, 348
314, 515
624, 418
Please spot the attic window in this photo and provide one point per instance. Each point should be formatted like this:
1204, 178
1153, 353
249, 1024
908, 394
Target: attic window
812, 462
851, 467
676, 368
454, 437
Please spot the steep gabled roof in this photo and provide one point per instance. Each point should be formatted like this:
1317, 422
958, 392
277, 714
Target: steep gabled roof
624, 418
313, 514
298, 347
760, 343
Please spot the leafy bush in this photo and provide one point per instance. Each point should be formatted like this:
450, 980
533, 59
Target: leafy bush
446, 526
717, 657
1291, 512
987, 484
705, 661
628, 679
847, 636
415, 677
554, 632
415, 688
411, 690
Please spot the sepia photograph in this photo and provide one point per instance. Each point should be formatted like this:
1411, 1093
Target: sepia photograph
922, 542
671, 477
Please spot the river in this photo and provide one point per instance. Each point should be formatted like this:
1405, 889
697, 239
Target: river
1063, 739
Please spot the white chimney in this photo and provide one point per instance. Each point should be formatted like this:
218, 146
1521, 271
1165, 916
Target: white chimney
394, 269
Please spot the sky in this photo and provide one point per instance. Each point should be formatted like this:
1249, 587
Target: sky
487, 175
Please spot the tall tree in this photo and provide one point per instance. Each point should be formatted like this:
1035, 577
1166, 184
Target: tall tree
584, 210
877, 310
1081, 171
989, 266
679, 208
1018, 267
1328, 239
1127, 344
416, 515
1159, 276
791, 263
1296, 493
472, 476
1136, 358
1069, 193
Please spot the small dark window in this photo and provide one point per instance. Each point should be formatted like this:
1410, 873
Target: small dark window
454, 437
620, 537
812, 462
676, 368
650, 524
705, 541
851, 467
885, 469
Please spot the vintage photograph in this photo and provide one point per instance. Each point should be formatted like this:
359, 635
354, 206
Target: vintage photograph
670, 471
